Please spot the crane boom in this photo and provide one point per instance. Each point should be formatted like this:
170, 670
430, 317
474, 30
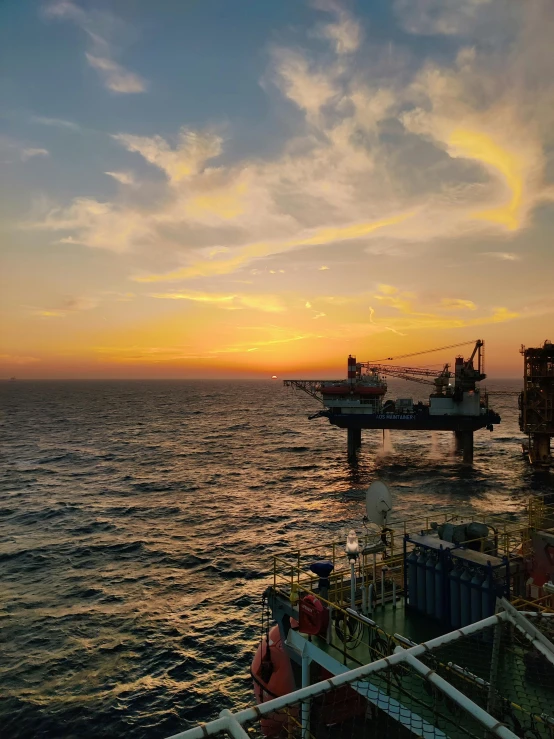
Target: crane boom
411, 378
428, 351
394, 369
465, 373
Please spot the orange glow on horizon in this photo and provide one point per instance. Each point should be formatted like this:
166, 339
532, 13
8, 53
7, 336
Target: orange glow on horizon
236, 334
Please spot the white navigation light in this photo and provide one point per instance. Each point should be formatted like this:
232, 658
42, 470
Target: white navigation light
378, 503
352, 548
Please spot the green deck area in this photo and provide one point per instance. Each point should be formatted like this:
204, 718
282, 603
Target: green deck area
365, 644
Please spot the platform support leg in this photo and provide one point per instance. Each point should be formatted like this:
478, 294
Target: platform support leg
354, 441
539, 449
464, 444
458, 441
468, 447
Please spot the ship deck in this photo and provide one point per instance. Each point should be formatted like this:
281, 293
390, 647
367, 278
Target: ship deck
376, 667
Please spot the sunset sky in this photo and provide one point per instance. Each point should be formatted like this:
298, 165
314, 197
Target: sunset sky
241, 188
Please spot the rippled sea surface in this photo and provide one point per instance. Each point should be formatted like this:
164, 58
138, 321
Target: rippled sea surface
137, 526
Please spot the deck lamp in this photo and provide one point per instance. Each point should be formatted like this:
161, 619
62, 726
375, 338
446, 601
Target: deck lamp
352, 548
352, 553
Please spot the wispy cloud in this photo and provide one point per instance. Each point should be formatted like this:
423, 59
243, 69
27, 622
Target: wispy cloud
44, 313
121, 297
446, 17
304, 84
484, 149
29, 153
345, 33
125, 178
185, 159
249, 252
65, 307
17, 359
19, 150
102, 29
165, 354
116, 77
401, 312
55, 122
458, 303
505, 256
417, 317
96, 224
266, 303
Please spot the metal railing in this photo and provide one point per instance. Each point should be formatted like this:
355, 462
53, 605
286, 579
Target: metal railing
290, 577
544, 605
512, 539
295, 708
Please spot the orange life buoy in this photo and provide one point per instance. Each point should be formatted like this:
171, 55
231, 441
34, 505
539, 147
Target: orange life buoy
272, 675
313, 616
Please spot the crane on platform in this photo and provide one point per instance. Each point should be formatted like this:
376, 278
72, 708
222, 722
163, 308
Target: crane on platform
465, 374
418, 374
429, 351
412, 374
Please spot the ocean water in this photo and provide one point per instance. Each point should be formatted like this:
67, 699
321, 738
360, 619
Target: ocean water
137, 526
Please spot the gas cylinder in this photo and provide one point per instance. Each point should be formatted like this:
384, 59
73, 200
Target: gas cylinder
411, 564
487, 596
421, 581
475, 584
465, 596
439, 587
455, 609
430, 584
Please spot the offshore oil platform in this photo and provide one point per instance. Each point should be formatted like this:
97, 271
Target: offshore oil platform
456, 403
536, 403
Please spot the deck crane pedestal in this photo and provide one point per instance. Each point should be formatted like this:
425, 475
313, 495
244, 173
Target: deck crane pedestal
454, 405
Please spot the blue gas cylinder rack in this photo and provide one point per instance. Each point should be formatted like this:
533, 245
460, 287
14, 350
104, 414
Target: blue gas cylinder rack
480, 579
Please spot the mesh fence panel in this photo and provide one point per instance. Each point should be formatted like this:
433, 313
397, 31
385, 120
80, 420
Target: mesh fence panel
498, 669
397, 702
545, 624
426, 692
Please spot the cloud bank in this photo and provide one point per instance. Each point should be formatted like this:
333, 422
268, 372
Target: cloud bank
379, 157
